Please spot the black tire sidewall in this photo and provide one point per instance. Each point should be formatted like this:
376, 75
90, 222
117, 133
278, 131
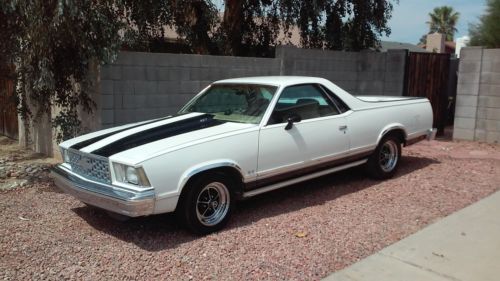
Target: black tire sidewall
374, 167
189, 201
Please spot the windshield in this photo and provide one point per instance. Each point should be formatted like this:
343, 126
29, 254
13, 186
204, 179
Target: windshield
242, 103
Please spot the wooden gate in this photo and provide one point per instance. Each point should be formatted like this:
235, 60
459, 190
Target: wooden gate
427, 76
8, 112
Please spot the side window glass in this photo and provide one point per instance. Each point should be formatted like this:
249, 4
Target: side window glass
307, 101
338, 102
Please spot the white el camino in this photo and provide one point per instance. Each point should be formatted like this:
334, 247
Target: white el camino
238, 138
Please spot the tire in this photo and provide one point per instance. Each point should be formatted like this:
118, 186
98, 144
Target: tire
207, 204
384, 161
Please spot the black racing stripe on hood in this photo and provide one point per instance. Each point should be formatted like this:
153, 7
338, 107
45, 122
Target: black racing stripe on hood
158, 133
88, 142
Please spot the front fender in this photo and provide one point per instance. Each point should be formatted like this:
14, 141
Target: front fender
205, 166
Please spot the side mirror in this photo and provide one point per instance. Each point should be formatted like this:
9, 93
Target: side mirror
292, 119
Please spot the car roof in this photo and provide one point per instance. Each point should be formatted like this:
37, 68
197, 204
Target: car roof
273, 80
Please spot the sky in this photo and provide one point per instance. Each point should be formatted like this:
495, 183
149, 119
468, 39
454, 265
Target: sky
409, 17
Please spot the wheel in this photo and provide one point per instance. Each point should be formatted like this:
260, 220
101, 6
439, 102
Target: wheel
207, 204
384, 161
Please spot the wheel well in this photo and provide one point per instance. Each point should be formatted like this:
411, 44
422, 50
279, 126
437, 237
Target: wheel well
399, 133
233, 173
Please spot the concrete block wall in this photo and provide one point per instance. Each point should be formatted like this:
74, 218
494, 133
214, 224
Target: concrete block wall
360, 73
141, 86
477, 111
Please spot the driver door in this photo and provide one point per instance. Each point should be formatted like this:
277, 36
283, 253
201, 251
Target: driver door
311, 143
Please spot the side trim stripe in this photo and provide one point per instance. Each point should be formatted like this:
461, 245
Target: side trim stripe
295, 173
303, 178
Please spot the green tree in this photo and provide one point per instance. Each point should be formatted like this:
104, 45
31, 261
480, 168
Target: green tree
443, 20
251, 27
336, 24
52, 43
487, 31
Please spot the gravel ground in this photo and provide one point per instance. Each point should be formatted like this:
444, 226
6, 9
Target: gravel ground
303, 232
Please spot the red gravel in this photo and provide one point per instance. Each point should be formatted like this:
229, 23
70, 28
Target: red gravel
303, 232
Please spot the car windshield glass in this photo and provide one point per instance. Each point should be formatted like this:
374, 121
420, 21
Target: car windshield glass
233, 102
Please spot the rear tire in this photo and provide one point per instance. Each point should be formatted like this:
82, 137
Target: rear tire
384, 161
207, 204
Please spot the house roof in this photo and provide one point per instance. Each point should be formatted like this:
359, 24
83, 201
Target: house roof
386, 45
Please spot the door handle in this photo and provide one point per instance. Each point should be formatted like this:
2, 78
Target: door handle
343, 127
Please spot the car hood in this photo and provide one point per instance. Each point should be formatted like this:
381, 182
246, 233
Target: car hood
137, 142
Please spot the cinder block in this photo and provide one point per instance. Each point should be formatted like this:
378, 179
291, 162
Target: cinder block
106, 125
370, 86
145, 87
107, 101
488, 125
344, 75
469, 67
134, 73
468, 89
463, 134
395, 77
111, 72
493, 137
490, 78
130, 101
465, 123
124, 116
155, 101
467, 78
396, 88
107, 87
371, 75
488, 113
492, 55
118, 101
466, 100
169, 87
151, 73
162, 73
489, 101
123, 87
165, 59
465, 111
107, 116
474, 53
190, 86
210, 61
491, 66
480, 135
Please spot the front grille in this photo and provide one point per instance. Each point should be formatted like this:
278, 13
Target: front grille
89, 166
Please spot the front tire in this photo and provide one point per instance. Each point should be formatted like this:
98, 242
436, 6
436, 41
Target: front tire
207, 204
384, 161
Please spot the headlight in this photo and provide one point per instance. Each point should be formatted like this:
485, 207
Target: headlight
131, 175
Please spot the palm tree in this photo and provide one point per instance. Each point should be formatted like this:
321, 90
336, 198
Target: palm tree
443, 20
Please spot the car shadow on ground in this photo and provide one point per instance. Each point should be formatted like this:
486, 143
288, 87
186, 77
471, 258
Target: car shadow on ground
160, 232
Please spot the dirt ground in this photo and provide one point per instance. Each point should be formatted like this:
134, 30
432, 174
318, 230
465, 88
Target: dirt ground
302, 232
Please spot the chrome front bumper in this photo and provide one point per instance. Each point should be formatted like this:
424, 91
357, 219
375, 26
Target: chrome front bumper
109, 197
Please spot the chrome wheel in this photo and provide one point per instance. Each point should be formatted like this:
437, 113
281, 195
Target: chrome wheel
388, 157
212, 204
